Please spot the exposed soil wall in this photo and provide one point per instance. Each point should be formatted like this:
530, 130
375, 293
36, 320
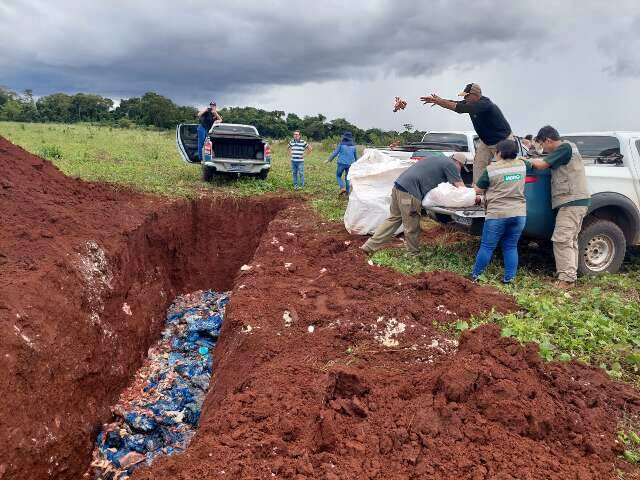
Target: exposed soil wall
87, 272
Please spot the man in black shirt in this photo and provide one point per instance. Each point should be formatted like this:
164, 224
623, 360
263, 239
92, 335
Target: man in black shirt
488, 122
207, 117
406, 198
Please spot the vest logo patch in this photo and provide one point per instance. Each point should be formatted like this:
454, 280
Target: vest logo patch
513, 177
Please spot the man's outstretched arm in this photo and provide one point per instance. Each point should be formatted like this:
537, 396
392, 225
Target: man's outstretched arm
441, 102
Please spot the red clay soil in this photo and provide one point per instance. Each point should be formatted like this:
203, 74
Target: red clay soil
373, 390
86, 274
339, 404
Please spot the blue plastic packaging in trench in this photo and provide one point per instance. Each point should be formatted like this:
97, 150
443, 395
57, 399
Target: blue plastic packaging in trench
159, 413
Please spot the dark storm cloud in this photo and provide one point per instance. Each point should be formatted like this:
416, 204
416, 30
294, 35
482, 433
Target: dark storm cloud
622, 46
125, 49
192, 49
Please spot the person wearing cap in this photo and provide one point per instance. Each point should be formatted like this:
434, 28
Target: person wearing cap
569, 196
207, 118
347, 154
406, 198
487, 118
502, 184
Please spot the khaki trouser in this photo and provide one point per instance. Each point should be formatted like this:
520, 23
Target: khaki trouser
484, 154
565, 241
405, 210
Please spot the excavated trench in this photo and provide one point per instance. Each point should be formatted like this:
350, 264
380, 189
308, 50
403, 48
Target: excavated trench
113, 298
327, 366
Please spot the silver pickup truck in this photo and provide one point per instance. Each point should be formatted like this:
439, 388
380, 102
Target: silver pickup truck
229, 149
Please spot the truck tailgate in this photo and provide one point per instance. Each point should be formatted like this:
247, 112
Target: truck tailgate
238, 148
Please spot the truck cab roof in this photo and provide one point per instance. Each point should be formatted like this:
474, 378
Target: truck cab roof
458, 132
619, 134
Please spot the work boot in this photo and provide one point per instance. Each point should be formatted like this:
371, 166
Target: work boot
563, 285
343, 191
366, 249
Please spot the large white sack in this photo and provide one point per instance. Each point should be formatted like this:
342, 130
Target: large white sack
371, 179
447, 195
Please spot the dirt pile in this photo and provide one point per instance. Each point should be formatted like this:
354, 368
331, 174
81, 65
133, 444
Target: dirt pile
332, 368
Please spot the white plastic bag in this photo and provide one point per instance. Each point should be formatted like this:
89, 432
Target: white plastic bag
371, 179
446, 195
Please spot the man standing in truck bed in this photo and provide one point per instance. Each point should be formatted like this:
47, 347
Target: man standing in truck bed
569, 195
488, 122
206, 119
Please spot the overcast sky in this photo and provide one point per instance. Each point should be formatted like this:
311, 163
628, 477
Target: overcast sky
574, 64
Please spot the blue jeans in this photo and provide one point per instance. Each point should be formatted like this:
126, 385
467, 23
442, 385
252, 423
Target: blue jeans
343, 169
202, 136
297, 169
505, 231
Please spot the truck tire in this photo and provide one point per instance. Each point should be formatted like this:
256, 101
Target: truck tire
208, 173
602, 247
263, 174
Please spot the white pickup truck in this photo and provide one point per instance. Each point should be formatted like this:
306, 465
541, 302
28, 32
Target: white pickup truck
229, 149
612, 165
446, 142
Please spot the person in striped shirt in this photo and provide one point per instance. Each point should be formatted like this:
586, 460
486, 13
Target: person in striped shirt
297, 148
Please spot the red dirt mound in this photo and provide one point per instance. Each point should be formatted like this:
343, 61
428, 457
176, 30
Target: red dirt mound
375, 390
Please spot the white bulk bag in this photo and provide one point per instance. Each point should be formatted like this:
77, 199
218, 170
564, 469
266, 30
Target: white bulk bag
447, 195
371, 179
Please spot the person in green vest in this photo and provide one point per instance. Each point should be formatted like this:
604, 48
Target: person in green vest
569, 196
502, 184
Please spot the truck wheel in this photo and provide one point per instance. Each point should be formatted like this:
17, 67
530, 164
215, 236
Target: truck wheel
602, 247
208, 173
263, 174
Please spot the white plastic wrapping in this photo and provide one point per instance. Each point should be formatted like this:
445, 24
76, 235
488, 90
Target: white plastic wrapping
446, 195
371, 179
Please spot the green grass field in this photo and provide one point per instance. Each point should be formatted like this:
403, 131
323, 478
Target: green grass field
598, 323
149, 160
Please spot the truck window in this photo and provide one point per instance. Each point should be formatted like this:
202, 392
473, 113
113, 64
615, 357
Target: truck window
597, 149
457, 141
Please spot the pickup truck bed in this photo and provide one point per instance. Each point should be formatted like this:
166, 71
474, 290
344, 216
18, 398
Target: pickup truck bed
229, 149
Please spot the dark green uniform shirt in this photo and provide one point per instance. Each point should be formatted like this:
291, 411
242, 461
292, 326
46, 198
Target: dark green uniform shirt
483, 182
560, 157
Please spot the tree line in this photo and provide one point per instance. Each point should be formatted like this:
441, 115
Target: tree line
157, 111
